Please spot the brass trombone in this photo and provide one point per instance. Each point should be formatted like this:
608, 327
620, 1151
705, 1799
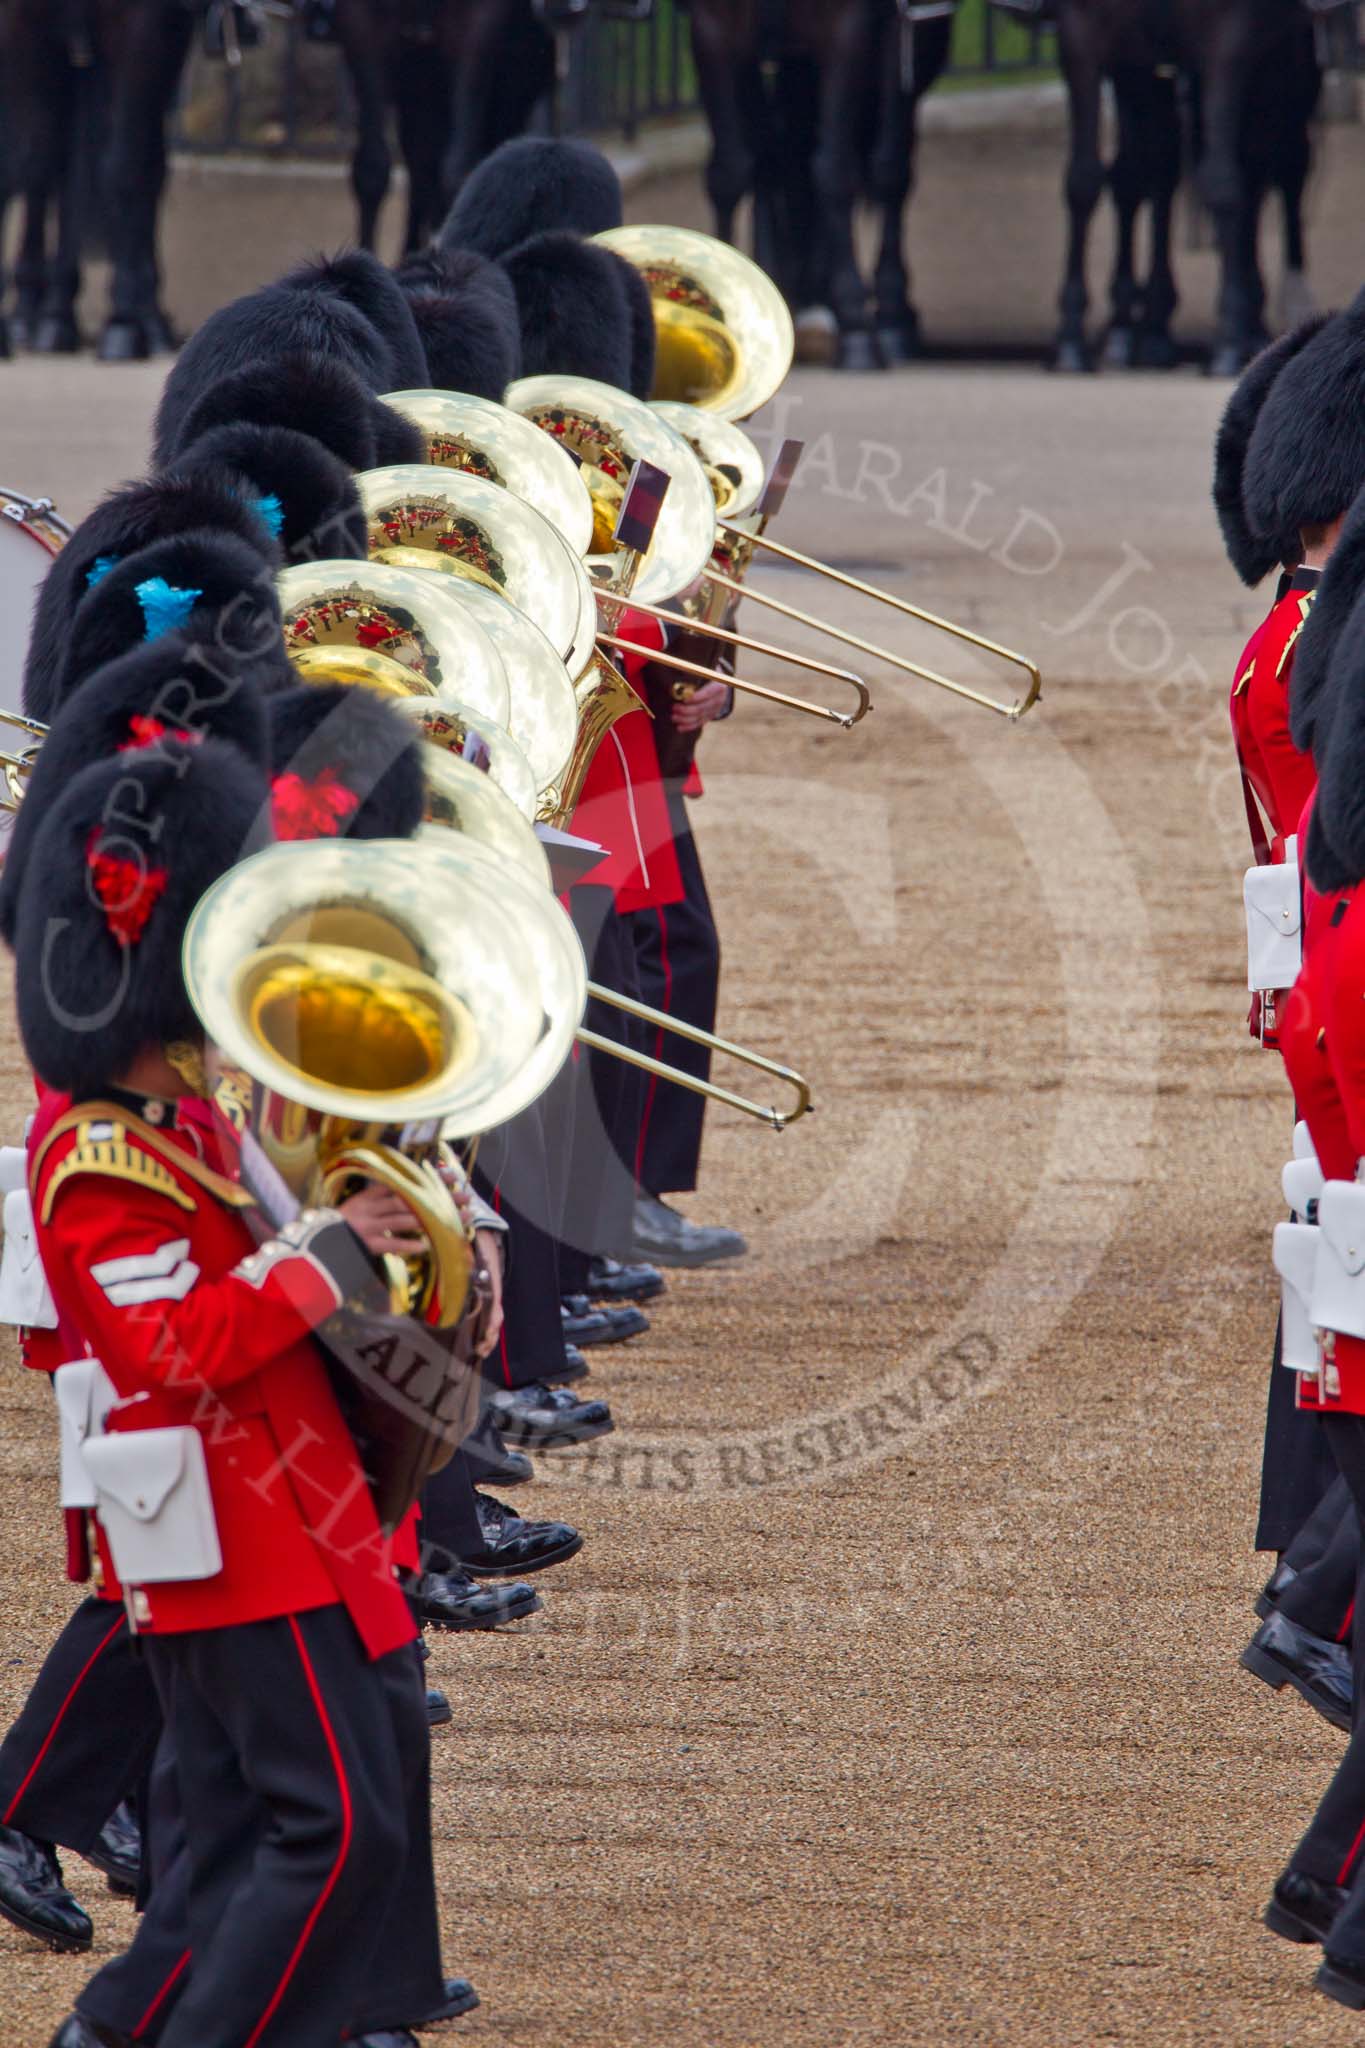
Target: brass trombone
1012, 711
460, 799
709, 675
15, 769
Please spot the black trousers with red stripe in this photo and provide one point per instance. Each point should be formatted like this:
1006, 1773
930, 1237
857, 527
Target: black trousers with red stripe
1333, 1849
303, 1773
677, 953
85, 1736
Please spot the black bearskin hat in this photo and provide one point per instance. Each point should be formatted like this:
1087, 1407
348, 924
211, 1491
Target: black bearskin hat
1306, 457
118, 863
343, 763
466, 314
256, 331
359, 279
574, 309
309, 394
172, 691
1313, 673
305, 496
1253, 554
122, 524
207, 580
530, 185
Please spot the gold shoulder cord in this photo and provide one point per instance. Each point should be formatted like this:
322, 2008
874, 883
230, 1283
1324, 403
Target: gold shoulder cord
131, 1151
114, 1159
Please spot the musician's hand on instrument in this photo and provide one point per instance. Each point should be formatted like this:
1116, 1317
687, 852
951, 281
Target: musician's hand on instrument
384, 1222
488, 1252
706, 702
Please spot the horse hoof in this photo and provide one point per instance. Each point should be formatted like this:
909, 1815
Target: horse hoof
1229, 359
123, 341
1072, 359
56, 334
1120, 349
1156, 352
858, 351
900, 344
817, 336
161, 337
5, 350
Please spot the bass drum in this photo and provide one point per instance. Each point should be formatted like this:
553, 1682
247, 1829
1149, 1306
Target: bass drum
31, 533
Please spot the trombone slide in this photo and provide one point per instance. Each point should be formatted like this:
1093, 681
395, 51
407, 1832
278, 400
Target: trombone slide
776, 1119
710, 675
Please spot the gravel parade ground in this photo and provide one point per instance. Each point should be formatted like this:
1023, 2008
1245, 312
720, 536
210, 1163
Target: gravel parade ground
894, 1697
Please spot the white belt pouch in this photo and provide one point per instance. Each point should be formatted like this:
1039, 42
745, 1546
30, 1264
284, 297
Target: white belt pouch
152, 1493
1338, 1298
1274, 913
85, 1395
1296, 1254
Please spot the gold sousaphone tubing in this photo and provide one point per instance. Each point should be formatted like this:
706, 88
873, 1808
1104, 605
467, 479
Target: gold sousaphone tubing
460, 799
15, 769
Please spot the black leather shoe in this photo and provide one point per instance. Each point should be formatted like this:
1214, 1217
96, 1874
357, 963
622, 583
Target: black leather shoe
452, 1600
574, 1368
584, 1324
490, 1461
609, 1280
439, 1711
34, 1898
1342, 1978
388, 2037
1268, 1599
460, 1998
1283, 1654
76, 2032
515, 1545
117, 1851
547, 1418
1303, 1908
665, 1238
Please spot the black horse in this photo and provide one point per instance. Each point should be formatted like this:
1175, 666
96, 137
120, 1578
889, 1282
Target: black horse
461, 76
1254, 75
813, 105
90, 85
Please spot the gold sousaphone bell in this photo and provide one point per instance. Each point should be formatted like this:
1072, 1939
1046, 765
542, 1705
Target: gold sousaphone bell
487, 440
399, 632
725, 337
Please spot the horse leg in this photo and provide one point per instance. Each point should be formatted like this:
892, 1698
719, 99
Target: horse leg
1294, 162
360, 34
1078, 48
506, 66
729, 85
1225, 71
849, 82
423, 90
1128, 186
145, 51
892, 180
1156, 350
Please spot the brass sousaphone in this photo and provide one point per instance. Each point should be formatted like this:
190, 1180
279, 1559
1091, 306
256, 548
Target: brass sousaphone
725, 337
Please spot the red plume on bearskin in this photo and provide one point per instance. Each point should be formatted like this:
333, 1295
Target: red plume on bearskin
316, 809
128, 891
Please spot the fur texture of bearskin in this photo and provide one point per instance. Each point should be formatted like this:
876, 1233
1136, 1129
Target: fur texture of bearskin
236, 609
88, 1000
466, 314
528, 186
313, 493
359, 279
574, 310
336, 734
310, 395
1306, 458
1253, 554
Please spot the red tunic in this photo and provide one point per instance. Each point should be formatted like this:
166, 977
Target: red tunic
1280, 777
623, 803
195, 1322
1335, 970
